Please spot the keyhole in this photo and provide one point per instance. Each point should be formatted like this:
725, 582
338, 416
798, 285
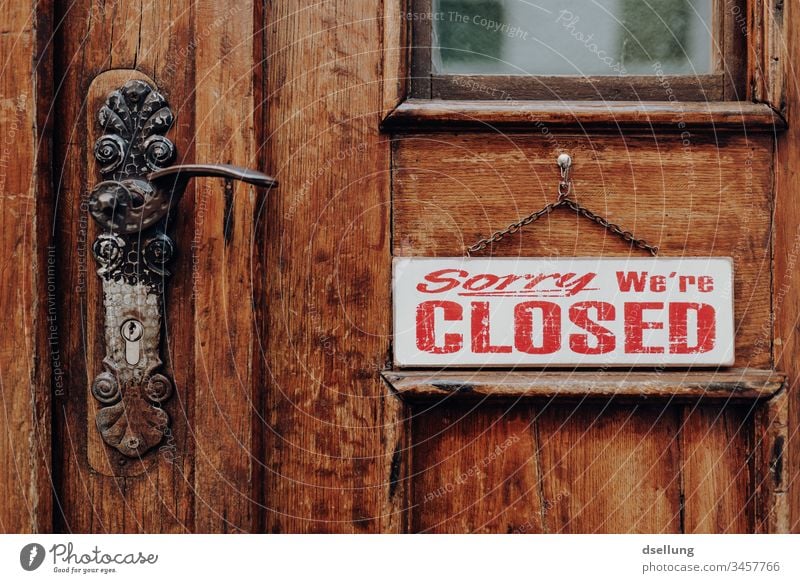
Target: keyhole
132, 331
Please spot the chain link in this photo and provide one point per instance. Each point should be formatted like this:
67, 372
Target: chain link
564, 200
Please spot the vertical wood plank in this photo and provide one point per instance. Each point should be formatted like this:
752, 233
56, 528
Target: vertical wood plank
476, 469
786, 281
151, 37
769, 61
331, 457
28, 270
395, 69
422, 40
611, 469
734, 35
225, 384
770, 467
717, 484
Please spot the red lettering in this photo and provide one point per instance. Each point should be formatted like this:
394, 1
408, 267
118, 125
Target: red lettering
635, 325
481, 343
472, 284
437, 277
507, 280
551, 327
578, 314
626, 279
426, 327
679, 328
574, 284
684, 281
535, 280
705, 283
658, 283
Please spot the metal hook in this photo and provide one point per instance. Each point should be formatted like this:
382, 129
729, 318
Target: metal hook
564, 162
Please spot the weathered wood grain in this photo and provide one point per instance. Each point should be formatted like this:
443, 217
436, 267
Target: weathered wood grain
30, 331
770, 468
395, 69
708, 198
150, 37
224, 335
731, 23
769, 61
786, 282
601, 116
555, 469
716, 443
448, 386
700, 88
330, 446
476, 470
277, 323
610, 468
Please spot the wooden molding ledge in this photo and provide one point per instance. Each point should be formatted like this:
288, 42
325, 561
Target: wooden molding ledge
715, 116
728, 385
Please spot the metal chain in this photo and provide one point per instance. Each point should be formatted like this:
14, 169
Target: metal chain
564, 200
616, 229
513, 228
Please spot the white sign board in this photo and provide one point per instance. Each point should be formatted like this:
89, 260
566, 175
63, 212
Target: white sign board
467, 312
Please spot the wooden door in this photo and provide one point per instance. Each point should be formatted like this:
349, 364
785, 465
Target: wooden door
287, 414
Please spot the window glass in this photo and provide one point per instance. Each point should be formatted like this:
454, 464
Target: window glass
572, 37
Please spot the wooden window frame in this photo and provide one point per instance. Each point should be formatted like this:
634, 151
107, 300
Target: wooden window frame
725, 83
758, 87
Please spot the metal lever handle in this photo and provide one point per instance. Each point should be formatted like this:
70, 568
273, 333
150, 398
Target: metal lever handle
183, 172
134, 204
133, 253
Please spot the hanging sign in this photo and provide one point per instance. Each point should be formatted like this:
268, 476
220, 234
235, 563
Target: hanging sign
563, 312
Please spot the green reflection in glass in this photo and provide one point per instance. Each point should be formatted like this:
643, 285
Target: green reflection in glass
571, 37
461, 36
657, 30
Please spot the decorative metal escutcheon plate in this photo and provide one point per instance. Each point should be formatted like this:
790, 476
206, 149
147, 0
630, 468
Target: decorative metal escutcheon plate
132, 205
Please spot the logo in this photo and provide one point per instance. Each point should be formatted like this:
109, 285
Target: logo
31, 556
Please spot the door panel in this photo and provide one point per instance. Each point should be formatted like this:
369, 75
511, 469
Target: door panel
332, 428
278, 313
718, 452
609, 468
583, 468
712, 198
94, 40
201, 478
476, 469
29, 347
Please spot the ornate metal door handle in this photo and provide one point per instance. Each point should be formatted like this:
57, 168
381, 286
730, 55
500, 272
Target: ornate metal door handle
132, 205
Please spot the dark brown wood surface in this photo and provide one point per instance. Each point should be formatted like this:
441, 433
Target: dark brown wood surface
771, 42
710, 197
601, 116
701, 88
725, 385
225, 386
717, 484
786, 283
278, 313
334, 442
150, 37
29, 348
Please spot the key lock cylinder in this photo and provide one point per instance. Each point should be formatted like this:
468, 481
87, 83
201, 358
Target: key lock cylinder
132, 206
